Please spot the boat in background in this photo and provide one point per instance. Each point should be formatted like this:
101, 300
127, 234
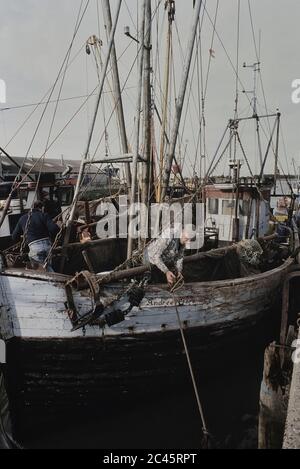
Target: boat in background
51, 181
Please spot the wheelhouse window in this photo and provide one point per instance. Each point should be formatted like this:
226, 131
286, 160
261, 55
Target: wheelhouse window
213, 206
228, 206
66, 195
23, 195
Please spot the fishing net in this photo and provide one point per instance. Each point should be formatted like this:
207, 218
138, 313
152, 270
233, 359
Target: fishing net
250, 252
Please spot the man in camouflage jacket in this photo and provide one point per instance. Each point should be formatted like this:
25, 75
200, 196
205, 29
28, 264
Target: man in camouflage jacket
167, 251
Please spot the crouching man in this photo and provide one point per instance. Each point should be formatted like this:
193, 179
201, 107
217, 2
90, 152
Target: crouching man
167, 252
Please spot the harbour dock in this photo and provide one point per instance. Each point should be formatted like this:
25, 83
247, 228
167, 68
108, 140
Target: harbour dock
292, 428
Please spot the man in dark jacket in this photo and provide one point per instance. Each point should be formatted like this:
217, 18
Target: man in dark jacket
38, 229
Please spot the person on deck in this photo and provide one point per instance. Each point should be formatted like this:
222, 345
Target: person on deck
38, 230
167, 252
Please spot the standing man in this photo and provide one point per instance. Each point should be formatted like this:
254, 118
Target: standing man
167, 252
38, 230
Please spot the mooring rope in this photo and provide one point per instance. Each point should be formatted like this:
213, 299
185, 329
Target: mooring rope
205, 431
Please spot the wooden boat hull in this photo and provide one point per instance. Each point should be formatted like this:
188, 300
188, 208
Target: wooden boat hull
33, 306
49, 366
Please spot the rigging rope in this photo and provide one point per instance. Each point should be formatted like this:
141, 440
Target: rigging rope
28, 221
55, 100
211, 46
17, 184
226, 52
63, 129
190, 94
66, 59
37, 104
116, 103
264, 94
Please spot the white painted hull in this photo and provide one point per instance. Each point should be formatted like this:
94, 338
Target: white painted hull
33, 306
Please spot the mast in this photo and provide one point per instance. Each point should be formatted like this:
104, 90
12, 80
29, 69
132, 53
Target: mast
276, 152
101, 85
145, 183
137, 121
171, 12
180, 100
256, 69
117, 90
236, 166
297, 174
294, 166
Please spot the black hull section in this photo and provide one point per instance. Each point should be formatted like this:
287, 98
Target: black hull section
5, 242
50, 378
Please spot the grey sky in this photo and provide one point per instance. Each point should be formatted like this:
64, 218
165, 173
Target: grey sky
35, 35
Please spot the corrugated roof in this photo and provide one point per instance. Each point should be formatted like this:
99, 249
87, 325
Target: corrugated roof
49, 165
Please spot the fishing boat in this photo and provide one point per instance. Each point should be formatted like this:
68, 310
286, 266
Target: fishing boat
48, 366
71, 340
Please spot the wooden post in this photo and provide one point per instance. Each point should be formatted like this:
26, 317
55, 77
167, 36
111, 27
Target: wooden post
272, 402
274, 393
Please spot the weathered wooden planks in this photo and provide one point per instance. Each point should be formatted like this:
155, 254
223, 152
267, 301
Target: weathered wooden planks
34, 306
